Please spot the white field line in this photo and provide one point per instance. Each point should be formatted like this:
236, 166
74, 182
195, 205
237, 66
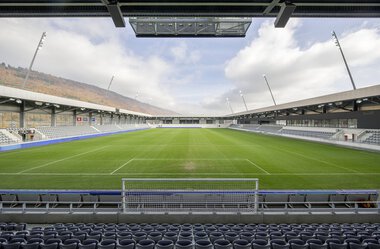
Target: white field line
160, 173
130, 160
257, 166
322, 161
63, 159
188, 159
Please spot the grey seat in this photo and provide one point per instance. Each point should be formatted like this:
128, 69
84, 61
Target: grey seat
222, 244
145, 244
70, 244
184, 244
211, 229
215, 236
21, 240
137, 236
279, 244
276, 235
88, 244
333, 245
30, 245
126, 244
249, 236
241, 244
200, 236
260, 244
81, 235
107, 244
305, 236
298, 244
155, 236
231, 236
356, 245
11, 245
173, 236
185, 236
261, 235
165, 244
52, 245
203, 244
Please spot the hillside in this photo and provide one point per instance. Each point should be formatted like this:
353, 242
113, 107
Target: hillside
50, 84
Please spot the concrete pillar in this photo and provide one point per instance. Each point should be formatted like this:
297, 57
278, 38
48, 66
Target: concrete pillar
101, 118
53, 117
22, 114
75, 118
90, 118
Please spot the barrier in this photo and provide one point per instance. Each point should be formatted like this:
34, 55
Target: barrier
269, 201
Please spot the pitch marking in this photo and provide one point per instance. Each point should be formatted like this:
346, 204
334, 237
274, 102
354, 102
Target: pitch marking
160, 173
188, 159
316, 159
60, 160
130, 160
257, 166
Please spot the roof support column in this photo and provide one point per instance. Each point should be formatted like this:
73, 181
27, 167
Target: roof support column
22, 115
75, 118
53, 117
90, 118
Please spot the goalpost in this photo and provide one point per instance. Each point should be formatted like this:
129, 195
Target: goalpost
190, 195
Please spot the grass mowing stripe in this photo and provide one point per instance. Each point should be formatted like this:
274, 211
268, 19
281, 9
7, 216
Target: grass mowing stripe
257, 166
188, 159
322, 161
60, 160
130, 160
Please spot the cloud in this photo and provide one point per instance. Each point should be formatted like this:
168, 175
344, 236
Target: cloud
297, 73
81, 52
183, 54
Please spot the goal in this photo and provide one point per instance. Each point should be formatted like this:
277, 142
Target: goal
190, 195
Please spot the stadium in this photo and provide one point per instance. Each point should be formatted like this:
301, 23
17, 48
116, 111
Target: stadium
85, 167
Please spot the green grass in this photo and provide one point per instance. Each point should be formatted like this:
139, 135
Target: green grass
100, 163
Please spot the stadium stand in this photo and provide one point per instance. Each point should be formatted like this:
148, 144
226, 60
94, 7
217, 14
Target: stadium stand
308, 133
5, 138
373, 138
190, 236
270, 128
66, 131
71, 131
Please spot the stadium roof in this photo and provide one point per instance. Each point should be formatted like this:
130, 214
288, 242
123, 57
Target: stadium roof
118, 9
360, 93
15, 93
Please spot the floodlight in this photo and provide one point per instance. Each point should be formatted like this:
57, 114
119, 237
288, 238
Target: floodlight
18, 101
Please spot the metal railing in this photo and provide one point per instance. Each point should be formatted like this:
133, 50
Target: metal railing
314, 207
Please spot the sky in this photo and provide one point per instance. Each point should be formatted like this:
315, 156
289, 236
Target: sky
195, 76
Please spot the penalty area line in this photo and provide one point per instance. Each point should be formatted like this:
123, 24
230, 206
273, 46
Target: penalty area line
257, 166
63, 159
130, 160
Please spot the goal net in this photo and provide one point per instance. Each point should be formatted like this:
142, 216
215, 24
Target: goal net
190, 195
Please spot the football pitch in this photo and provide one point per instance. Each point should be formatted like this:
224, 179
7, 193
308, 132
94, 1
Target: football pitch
100, 163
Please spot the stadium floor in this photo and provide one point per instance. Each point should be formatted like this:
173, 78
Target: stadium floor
100, 163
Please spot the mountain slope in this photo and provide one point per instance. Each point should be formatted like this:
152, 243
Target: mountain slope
50, 84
